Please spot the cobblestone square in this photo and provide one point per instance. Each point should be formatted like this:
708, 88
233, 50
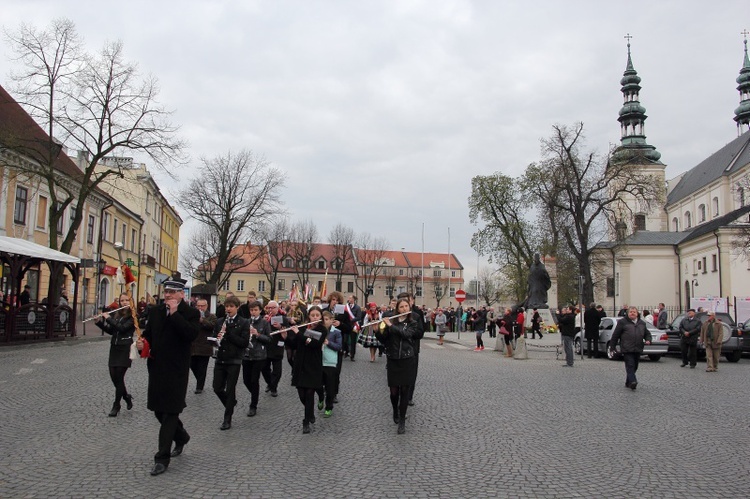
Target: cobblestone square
482, 426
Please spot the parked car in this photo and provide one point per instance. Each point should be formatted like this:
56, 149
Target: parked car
731, 347
658, 347
743, 331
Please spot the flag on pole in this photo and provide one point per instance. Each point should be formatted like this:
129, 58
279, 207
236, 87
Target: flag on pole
324, 289
293, 293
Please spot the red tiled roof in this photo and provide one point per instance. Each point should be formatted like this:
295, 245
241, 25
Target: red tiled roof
19, 132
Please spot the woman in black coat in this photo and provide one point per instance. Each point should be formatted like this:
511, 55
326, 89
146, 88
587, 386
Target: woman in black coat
307, 372
121, 327
399, 336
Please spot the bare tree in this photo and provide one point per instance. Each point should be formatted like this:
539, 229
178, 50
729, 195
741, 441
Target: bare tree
439, 288
489, 286
390, 278
341, 238
303, 236
370, 256
585, 191
199, 257
97, 104
274, 249
234, 196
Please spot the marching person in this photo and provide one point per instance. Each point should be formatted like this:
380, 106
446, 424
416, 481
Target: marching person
255, 355
201, 350
307, 373
712, 335
172, 326
399, 336
275, 351
690, 330
331, 365
632, 333
367, 337
419, 317
344, 323
121, 327
232, 338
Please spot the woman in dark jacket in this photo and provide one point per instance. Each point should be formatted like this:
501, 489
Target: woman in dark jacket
505, 326
307, 373
398, 335
121, 327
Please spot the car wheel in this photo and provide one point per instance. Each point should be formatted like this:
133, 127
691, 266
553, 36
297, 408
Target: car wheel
611, 355
733, 356
654, 357
577, 347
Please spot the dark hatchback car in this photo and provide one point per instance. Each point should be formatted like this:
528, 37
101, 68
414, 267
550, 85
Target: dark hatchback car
731, 347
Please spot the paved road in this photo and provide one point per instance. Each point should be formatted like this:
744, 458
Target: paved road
483, 426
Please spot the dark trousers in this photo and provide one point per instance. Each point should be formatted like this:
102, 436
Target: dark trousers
117, 375
689, 352
329, 388
592, 345
534, 332
199, 366
272, 373
307, 397
631, 366
491, 329
171, 430
251, 370
225, 385
351, 344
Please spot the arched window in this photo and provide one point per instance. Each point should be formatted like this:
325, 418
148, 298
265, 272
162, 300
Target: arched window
715, 207
639, 222
688, 220
676, 224
701, 213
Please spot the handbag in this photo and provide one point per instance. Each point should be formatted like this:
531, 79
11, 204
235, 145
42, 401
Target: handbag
503, 330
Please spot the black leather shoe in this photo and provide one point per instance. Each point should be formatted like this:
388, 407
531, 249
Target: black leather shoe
114, 411
226, 424
305, 427
395, 418
411, 403
251, 412
177, 450
198, 390
274, 393
158, 469
401, 427
128, 401
633, 385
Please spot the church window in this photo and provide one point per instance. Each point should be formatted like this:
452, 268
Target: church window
640, 222
715, 207
701, 213
676, 224
688, 221
713, 263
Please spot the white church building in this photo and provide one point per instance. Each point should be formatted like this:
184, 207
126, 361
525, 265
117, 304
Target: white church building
684, 251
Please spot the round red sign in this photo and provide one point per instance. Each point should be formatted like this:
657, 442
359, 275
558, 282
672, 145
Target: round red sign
460, 295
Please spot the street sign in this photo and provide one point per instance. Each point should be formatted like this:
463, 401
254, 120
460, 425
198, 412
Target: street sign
460, 295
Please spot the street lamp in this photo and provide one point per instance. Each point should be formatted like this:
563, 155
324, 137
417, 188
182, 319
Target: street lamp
693, 285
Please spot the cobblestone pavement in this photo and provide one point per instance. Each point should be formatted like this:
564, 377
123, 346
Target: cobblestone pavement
482, 426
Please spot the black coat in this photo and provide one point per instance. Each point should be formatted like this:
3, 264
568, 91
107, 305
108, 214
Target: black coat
201, 346
169, 360
567, 323
400, 338
256, 350
121, 328
308, 358
591, 320
275, 349
235, 340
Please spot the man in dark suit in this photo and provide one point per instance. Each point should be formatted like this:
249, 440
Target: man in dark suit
591, 319
172, 326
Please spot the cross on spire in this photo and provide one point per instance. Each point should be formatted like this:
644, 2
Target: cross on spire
744, 32
628, 37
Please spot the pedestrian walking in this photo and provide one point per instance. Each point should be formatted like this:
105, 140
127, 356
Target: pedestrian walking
632, 333
121, 327
399, 336
172, 326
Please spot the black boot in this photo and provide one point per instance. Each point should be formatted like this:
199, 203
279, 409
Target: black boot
401, 426
227, 423
128, 401
305, 427
395, 416
115, 410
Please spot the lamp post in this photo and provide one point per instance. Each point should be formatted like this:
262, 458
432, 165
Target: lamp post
693, 285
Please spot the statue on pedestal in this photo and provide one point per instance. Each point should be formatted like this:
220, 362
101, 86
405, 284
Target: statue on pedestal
539, 282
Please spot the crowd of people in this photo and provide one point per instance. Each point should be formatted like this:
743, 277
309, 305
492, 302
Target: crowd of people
253, 339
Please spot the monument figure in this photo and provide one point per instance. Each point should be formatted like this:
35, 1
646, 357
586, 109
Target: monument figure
539, 282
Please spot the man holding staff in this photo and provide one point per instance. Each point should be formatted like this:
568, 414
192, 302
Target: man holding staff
172, 327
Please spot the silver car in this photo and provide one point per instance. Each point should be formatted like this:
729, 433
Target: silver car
658, 347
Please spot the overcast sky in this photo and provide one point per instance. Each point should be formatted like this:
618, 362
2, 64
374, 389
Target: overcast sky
380, 113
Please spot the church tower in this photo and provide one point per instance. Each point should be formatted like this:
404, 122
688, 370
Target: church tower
742, 113
633, 215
